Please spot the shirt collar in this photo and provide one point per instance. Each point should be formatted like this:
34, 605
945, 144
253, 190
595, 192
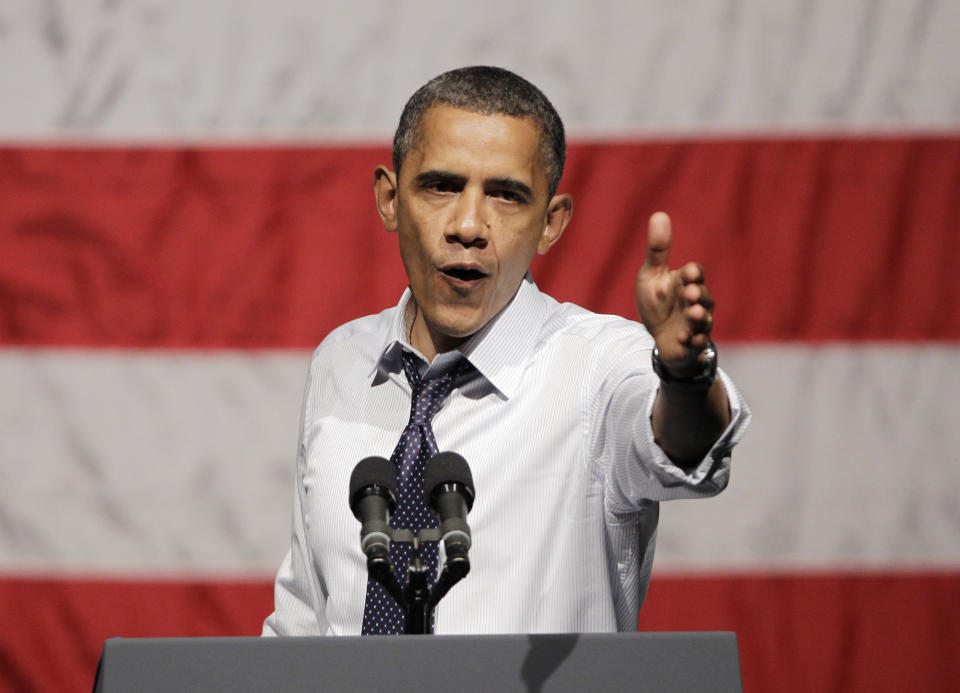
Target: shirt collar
498, 351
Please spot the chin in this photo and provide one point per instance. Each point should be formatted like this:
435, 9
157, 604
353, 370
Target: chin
460, 330
459, 324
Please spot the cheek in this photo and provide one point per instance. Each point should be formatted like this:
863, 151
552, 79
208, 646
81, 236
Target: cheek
412, 242
521, 250
410, 255
418, 234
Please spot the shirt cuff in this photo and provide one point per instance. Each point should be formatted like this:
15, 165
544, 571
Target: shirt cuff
712, 473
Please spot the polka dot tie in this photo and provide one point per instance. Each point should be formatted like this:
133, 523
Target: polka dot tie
381, 614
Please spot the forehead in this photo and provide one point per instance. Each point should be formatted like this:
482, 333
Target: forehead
476, 144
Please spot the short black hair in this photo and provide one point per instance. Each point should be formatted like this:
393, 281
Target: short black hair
487, 90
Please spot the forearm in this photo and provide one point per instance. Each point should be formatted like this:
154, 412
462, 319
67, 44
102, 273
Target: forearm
686, 423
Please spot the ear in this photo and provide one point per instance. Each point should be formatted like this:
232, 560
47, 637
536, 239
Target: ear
385, 191
559, 213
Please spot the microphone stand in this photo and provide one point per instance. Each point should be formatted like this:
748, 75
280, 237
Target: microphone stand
373, 499
416, 599
417, 595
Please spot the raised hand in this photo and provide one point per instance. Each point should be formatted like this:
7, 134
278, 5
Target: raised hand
675, 305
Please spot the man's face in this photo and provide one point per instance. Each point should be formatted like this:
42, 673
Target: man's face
471, 210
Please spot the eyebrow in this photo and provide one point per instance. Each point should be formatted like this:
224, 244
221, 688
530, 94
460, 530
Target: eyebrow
439, 177
513, 185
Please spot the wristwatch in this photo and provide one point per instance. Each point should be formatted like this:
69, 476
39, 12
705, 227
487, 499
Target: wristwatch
700, 380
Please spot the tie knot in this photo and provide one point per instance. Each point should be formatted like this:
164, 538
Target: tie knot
428, 395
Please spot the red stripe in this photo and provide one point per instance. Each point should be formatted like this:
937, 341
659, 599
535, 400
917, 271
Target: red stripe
53, 630
874, 633
803, 239
845, 633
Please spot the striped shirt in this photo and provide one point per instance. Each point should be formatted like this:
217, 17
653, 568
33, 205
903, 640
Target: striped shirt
555, 424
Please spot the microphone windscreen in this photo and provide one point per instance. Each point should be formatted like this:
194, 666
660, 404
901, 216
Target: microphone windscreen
447, 467
372, 471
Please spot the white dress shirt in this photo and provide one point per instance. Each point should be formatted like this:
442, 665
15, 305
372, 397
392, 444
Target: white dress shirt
556, 430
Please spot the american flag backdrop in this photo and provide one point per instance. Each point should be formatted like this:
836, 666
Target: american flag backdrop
186, 210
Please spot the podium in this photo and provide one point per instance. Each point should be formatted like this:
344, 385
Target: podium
662, 662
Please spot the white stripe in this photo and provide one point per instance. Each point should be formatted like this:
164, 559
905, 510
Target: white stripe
852, 460
147, 462
301, 69
181, 462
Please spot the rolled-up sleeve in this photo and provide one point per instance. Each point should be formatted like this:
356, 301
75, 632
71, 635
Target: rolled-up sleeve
637, 469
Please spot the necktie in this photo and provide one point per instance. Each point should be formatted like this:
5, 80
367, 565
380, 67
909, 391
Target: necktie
381, 614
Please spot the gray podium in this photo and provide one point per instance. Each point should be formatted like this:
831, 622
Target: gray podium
702, 662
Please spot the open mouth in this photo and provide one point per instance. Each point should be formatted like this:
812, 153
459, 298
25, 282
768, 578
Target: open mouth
465, 274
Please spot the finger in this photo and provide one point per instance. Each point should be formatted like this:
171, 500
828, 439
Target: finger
692, 273
694, 342
658, 240
698, 294
698, 343
699, 319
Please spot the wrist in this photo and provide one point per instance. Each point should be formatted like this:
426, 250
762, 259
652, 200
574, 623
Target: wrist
701, 379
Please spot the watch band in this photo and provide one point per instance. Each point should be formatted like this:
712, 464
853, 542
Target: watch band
701, 380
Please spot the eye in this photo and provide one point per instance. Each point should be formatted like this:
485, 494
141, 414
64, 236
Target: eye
442, 185
509, 196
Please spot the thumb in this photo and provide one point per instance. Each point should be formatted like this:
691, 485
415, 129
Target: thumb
659, 235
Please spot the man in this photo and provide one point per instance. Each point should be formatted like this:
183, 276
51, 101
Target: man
572, 437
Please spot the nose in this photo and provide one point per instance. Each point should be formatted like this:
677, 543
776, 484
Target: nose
469, 225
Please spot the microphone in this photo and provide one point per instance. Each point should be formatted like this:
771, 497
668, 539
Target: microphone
448, 487
373, 498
